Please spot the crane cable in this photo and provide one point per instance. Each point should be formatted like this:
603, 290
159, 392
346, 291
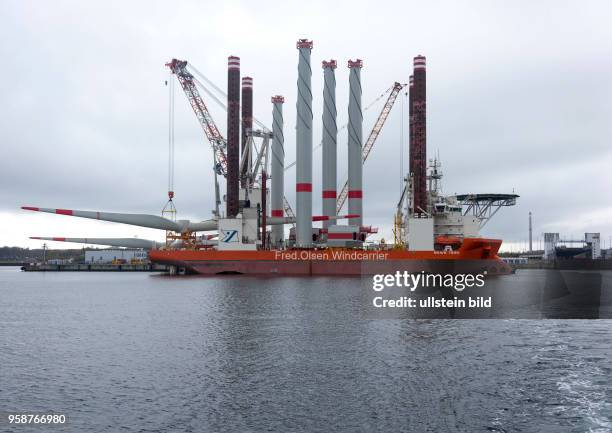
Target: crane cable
401, 145
195, 71
170, 139
169, 211
219, 101
218, 90
344, 176
318, 146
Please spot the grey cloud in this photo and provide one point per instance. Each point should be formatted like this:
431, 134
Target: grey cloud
519, 97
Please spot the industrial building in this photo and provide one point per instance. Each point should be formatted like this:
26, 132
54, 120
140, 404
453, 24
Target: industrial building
118, 255
587, 248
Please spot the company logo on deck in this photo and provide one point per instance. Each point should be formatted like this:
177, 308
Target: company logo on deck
229, 235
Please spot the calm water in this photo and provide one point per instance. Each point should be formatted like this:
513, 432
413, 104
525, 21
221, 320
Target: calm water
142, 352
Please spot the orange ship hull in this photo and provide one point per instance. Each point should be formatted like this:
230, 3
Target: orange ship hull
474, 256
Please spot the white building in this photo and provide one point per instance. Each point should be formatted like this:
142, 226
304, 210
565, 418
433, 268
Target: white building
59, 261
119, 254
516, 260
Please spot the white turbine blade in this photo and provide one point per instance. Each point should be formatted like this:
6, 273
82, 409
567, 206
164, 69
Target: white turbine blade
140, 220
111, 242
203, 226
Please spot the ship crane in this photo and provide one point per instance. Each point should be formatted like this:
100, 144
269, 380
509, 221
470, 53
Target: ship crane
367, 147
189, 83
216, 140
169, 210
182, 233
393, 92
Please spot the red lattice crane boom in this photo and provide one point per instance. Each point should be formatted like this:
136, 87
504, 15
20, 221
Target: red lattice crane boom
218, 143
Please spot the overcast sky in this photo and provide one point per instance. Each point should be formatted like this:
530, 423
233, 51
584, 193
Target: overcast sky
519, 99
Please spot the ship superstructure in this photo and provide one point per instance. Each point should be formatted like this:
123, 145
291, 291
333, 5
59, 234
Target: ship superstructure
450, 222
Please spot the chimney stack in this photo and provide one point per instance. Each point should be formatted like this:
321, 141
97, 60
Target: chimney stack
410, 126
355, 142
330, 135
247, 120
303, 141
419, 157
233, 135
278, 170
530, 234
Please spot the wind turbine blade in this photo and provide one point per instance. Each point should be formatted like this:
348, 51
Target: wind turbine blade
140, 220
111, 242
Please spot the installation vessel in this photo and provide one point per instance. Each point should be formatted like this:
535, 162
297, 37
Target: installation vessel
432, 232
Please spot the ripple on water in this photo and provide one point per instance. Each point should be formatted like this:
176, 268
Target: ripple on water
147, 353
